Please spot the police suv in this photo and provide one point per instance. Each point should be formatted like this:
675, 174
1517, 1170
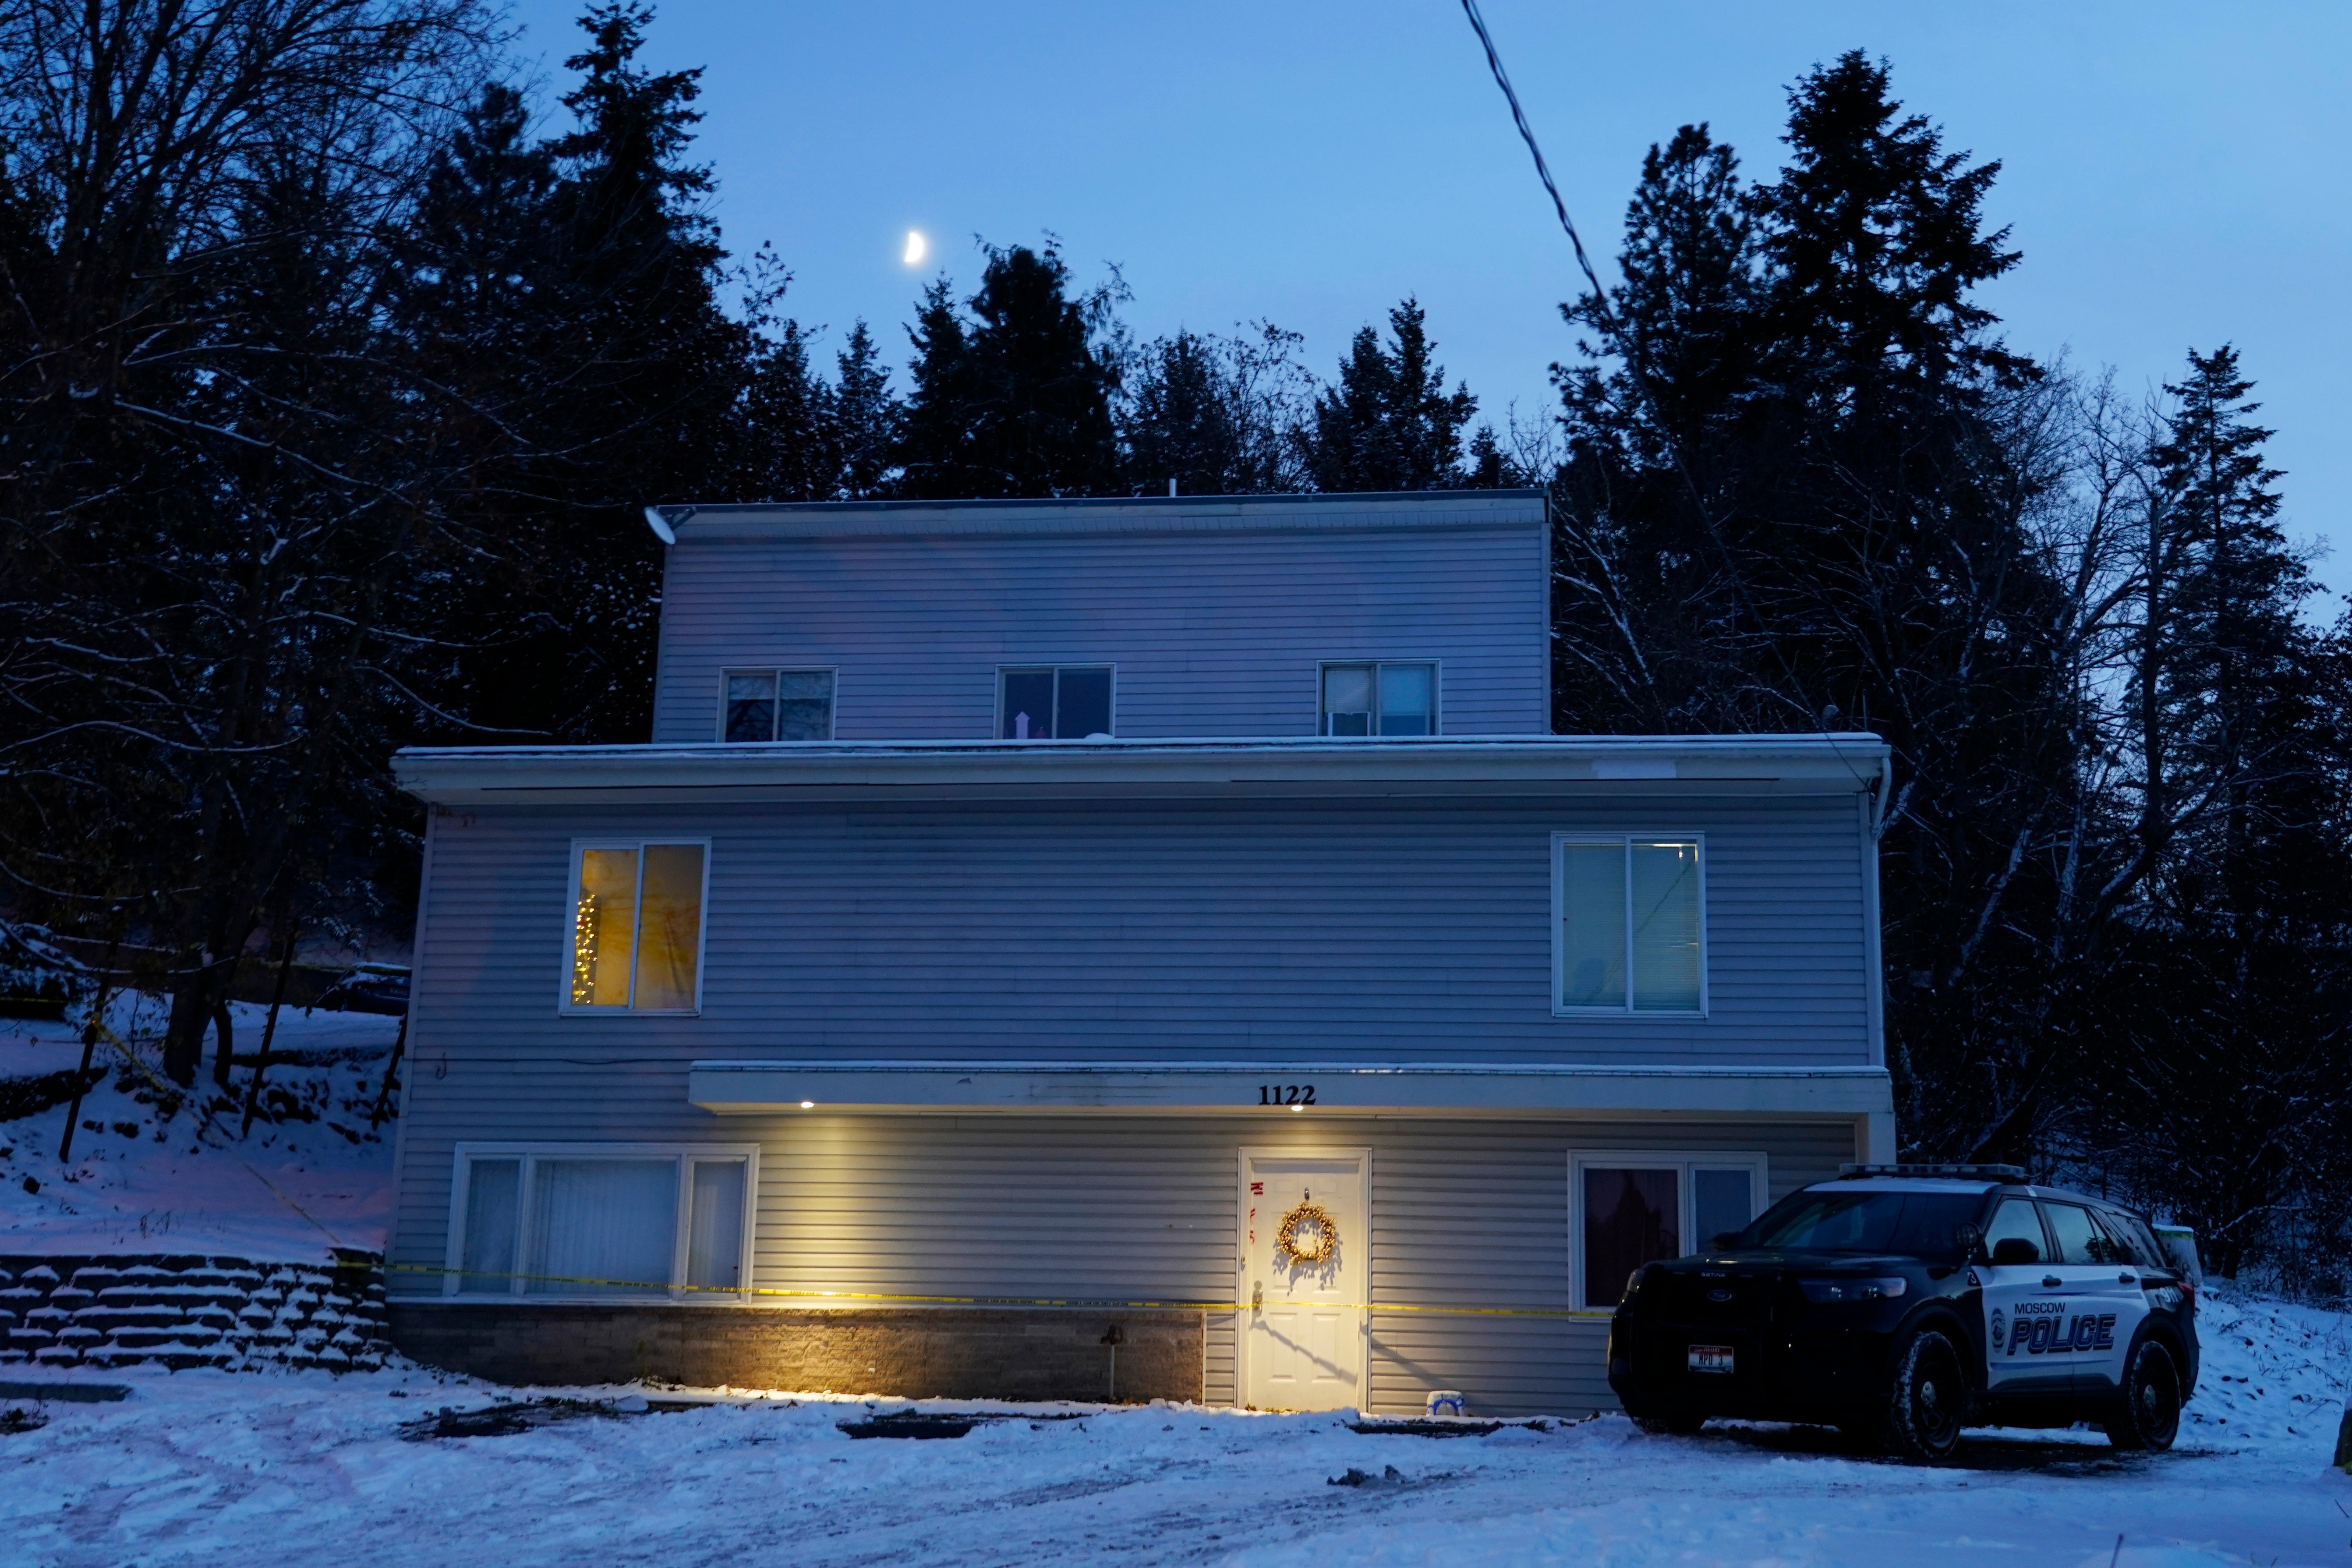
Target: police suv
1902, 1303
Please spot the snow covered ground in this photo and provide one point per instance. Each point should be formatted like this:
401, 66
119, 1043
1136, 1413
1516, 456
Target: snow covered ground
306, 1467
320, 1176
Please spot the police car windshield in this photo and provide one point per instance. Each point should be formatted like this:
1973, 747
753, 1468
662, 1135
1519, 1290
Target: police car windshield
1918, 1223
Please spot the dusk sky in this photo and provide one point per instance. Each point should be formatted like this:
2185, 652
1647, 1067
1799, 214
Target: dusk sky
2174, 174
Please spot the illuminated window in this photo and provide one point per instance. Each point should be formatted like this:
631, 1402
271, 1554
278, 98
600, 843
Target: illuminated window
1629, 926
636, 926
777, 705
608, 1221
1379, 698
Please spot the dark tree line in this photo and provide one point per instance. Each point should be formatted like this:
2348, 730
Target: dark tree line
333, 385
1805, 486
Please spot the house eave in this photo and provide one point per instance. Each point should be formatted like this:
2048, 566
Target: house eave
740, 1088
1520, 764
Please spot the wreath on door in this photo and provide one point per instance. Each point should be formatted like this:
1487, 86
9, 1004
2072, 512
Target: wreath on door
1308, 1234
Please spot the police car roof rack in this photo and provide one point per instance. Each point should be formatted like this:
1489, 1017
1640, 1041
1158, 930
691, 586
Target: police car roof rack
1963, 1173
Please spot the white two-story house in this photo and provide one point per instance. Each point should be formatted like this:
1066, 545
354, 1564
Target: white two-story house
1142, 947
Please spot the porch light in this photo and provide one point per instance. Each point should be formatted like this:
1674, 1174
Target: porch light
808, 1105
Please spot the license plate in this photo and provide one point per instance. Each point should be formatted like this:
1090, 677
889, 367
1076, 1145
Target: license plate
1710, 1357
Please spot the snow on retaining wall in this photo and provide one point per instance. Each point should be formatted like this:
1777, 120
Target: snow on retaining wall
182, 1311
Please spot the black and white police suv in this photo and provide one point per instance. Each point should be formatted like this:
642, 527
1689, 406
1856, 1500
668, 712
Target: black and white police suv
1902, 1303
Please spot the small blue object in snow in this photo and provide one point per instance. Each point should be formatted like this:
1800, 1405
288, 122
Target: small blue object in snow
1447, 1401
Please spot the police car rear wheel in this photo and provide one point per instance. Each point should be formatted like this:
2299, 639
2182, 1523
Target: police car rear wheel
2147, 1413
1929, 1399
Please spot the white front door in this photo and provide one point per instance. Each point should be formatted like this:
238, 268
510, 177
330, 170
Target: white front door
1303, 1328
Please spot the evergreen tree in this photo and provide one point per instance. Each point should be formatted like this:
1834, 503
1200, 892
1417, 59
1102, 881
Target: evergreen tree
1389, 424
1016, 399
1179, 426
865, 418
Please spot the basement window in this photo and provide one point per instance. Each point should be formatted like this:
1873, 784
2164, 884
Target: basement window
600, 1222
635, 942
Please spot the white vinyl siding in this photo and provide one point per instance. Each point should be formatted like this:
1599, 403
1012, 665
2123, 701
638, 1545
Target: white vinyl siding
610, 1221
1629, 924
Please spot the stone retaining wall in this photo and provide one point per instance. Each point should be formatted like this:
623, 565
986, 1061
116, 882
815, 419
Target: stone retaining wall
186, 1310
919, 1353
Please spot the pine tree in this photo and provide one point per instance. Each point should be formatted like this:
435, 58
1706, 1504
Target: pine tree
1389, 424
865, 418
1016, 399
1179, 426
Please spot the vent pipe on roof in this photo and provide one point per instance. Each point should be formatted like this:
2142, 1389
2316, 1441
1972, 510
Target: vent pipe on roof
1171, 486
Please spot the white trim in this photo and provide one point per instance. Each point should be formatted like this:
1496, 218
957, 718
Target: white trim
1681, 1161
527, 1154
568, 1008
1561, 1009
832, 701
733, 1087
1874, 958
1703, 766
1381, 511
1436, 698
1246, 1153
1004, 667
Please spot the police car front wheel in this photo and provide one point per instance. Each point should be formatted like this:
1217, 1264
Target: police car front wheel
2147, 1413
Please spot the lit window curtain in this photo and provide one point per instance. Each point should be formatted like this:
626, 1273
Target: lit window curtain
492, 1207
603, 928
714, 1242
1593, 925
1665, 927
1631, 1217
603, 1227
673, 925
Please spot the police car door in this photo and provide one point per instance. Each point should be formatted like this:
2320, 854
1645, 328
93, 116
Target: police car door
2103, 1302
2015, 1301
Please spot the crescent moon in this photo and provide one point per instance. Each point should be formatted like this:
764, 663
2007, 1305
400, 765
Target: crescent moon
917, 248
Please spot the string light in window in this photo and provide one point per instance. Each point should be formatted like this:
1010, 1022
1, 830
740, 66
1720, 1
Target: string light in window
583, 951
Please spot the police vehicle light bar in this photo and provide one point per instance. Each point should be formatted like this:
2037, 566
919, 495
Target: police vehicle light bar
1965, 1172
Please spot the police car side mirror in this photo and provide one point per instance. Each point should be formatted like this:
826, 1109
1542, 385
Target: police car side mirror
1971, 1241
2015, 1249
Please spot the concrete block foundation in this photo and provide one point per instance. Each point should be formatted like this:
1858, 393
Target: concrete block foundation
919, 1353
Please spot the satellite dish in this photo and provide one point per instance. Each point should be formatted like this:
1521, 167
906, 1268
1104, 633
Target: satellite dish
660, 525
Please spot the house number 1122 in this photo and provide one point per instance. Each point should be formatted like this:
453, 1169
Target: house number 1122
1286, 1094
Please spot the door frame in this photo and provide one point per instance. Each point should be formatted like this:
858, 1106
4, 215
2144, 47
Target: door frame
1361, 1156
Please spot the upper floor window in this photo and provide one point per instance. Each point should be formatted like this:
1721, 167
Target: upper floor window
636, 926
1066, 702
1379, 698
778, 705
1629, 928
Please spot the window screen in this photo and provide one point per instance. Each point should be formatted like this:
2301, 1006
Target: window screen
1062, 702
1632, 1216
1379, 698
778, 705
1631, 936
636, 926
493, 1217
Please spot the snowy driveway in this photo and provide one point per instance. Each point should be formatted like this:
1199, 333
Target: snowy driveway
218, 1468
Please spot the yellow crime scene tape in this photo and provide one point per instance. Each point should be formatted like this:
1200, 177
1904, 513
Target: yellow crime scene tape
1090, 1302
